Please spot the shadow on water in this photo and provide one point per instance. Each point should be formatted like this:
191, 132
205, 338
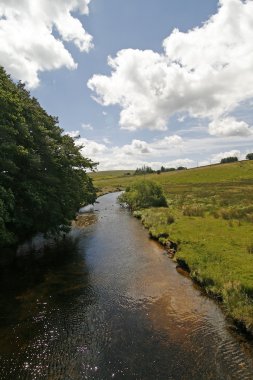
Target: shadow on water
38, 296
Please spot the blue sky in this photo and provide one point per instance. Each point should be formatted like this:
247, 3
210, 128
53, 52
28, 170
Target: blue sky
167, 98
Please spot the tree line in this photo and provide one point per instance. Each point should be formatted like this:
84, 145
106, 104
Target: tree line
226, 160
148, 170
43, 178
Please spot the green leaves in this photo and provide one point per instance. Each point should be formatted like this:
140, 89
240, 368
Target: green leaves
143, 194
43, 177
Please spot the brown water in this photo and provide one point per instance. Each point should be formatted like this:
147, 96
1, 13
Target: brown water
110, 305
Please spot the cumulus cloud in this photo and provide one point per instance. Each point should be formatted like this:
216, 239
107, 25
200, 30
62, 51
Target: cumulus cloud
136, 147
169, 151
229, 126
92, 149
205, 72
27, 41
168, 143
136, 154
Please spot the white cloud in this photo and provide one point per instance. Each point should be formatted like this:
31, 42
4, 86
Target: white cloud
169, 143
205, 72
87, 127
137, 147
135, 154
106, 141
229, 126
27, 43
170, 151
91, 149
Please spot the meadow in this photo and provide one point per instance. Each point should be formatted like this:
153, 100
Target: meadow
210, 218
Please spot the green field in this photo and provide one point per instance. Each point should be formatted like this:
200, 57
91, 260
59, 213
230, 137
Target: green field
212, 209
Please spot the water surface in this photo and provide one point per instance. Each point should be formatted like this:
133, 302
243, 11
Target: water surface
109, 304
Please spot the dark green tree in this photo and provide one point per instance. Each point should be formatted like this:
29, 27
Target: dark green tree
228, 159
249, 156
43, 179
144, 170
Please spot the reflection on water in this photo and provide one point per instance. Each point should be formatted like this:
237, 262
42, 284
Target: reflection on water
108, 304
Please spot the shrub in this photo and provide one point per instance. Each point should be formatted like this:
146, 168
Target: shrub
228, 159
194, 210
249, 156
170, 219
250, 248
143, 194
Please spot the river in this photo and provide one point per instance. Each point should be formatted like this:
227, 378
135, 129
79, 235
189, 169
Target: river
108, 304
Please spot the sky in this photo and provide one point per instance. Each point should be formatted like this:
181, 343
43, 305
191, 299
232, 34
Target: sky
141, 82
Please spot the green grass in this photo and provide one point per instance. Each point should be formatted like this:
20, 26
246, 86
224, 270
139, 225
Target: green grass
210, 217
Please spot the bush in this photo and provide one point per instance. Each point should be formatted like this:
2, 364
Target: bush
250, 248
194, 210
228, 159
249, 156
143, 194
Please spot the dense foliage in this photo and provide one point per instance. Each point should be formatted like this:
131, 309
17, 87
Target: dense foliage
143, 194
249, 156
226, 160
42, 173
164, 170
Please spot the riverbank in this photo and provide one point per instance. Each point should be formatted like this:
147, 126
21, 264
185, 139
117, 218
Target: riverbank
203, 247
210, 218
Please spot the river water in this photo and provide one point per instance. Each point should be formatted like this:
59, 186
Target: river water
110, 305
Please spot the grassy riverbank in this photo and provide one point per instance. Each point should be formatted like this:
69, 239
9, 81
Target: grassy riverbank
210, 217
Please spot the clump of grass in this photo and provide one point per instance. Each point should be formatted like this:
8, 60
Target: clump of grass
170, 219
250, 248
237, 212
194, 210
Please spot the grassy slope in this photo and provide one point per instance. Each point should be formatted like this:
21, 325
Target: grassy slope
213, 212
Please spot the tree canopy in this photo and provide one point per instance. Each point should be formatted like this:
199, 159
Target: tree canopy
143, 194
249, 156
43, 179
228, 159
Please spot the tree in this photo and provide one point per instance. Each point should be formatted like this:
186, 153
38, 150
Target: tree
144, 170
249, 156
143, 194
228, 159
43, 179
